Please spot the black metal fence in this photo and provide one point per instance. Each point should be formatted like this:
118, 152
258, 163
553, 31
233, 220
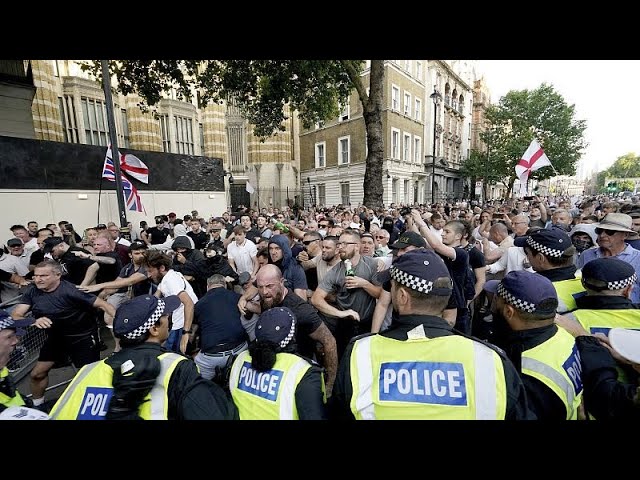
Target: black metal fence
265, 197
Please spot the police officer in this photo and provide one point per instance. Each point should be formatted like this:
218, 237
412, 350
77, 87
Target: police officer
420, 368
271, 382
550, 253
524, 311
607, 304
9, 332
143, 380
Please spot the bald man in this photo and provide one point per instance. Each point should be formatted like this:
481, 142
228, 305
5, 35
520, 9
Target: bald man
311, 328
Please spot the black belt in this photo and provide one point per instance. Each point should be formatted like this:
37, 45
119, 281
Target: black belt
226, 353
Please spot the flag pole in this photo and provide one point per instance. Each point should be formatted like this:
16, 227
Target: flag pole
115, 154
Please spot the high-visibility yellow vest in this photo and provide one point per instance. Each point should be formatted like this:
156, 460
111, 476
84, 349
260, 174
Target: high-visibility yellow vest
556, 363
451, 377
566, 290
267, 395
601, 321
88, 395
6, 400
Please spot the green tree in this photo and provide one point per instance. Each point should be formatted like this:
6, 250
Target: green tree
262, 89
523, 115
627, 166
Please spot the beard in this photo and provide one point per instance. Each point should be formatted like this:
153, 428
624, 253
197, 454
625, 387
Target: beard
269, 302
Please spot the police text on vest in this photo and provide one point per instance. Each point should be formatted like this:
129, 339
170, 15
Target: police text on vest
95, 403
423, 382
262, 384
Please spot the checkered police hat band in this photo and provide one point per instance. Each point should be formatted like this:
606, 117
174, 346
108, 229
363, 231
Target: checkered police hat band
548, 251
6, 323
620, 284
151, 321
411, 281
291, 333
516, 302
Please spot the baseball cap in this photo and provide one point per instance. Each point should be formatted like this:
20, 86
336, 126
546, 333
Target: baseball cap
51, 242
277, 325
549, 242
101, 226
626, 342
138, 245
14, 242
608, 273
526, 291
6, 321
172, 214
418, 270
409, 238
136, 316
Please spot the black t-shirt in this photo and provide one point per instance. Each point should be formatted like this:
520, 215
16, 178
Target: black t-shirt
200, 239
308, 322
143, 288
69, 309
108, 273
458, 271
157, 235
36, 257
74, 268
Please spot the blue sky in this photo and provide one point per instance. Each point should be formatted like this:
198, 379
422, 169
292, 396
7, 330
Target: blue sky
604, 92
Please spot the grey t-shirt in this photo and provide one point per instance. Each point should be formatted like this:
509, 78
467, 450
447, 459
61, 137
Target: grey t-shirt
356, 299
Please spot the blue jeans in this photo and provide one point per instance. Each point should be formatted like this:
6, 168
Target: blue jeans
173, 342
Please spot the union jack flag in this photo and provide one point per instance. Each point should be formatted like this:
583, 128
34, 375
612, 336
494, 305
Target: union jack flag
130, 192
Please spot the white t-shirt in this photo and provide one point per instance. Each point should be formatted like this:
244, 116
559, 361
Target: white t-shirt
242, 255
172, 284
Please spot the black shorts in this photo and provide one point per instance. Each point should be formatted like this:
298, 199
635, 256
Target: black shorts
82, 349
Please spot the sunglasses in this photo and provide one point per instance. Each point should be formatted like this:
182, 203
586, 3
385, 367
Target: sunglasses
610, 233
324, 225
308, 242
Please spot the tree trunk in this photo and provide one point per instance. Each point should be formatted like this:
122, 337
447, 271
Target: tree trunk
372, 113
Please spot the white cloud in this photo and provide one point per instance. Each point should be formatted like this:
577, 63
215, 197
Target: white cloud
604, 92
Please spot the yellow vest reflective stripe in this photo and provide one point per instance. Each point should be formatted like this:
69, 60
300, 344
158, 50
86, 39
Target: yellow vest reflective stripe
88, 395
556, 363
6, 400
565, 290
269, 395
449, 377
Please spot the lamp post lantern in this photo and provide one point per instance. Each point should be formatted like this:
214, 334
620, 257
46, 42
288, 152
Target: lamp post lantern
436, 97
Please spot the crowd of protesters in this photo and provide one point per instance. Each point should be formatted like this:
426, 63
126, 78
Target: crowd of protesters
516, 309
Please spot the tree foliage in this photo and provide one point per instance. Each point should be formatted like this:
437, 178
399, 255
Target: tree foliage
523, 115
262, 89
627, 166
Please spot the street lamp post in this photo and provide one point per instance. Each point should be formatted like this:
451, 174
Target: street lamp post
436, 97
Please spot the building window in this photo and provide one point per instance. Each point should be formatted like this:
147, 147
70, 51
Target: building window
394, 190
418, 110
95, 121
407, 65
395, 143
407, 193
419, 70
319, 125
344, 193
320, 154
164, 131
69, 119
417, 149
407, 104
406, 147
344, 113
344, 150
322, 194
395, 98
124, 130
201, 128
184, 135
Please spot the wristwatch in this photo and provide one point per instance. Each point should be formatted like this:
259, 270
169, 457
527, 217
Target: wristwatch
185, 331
